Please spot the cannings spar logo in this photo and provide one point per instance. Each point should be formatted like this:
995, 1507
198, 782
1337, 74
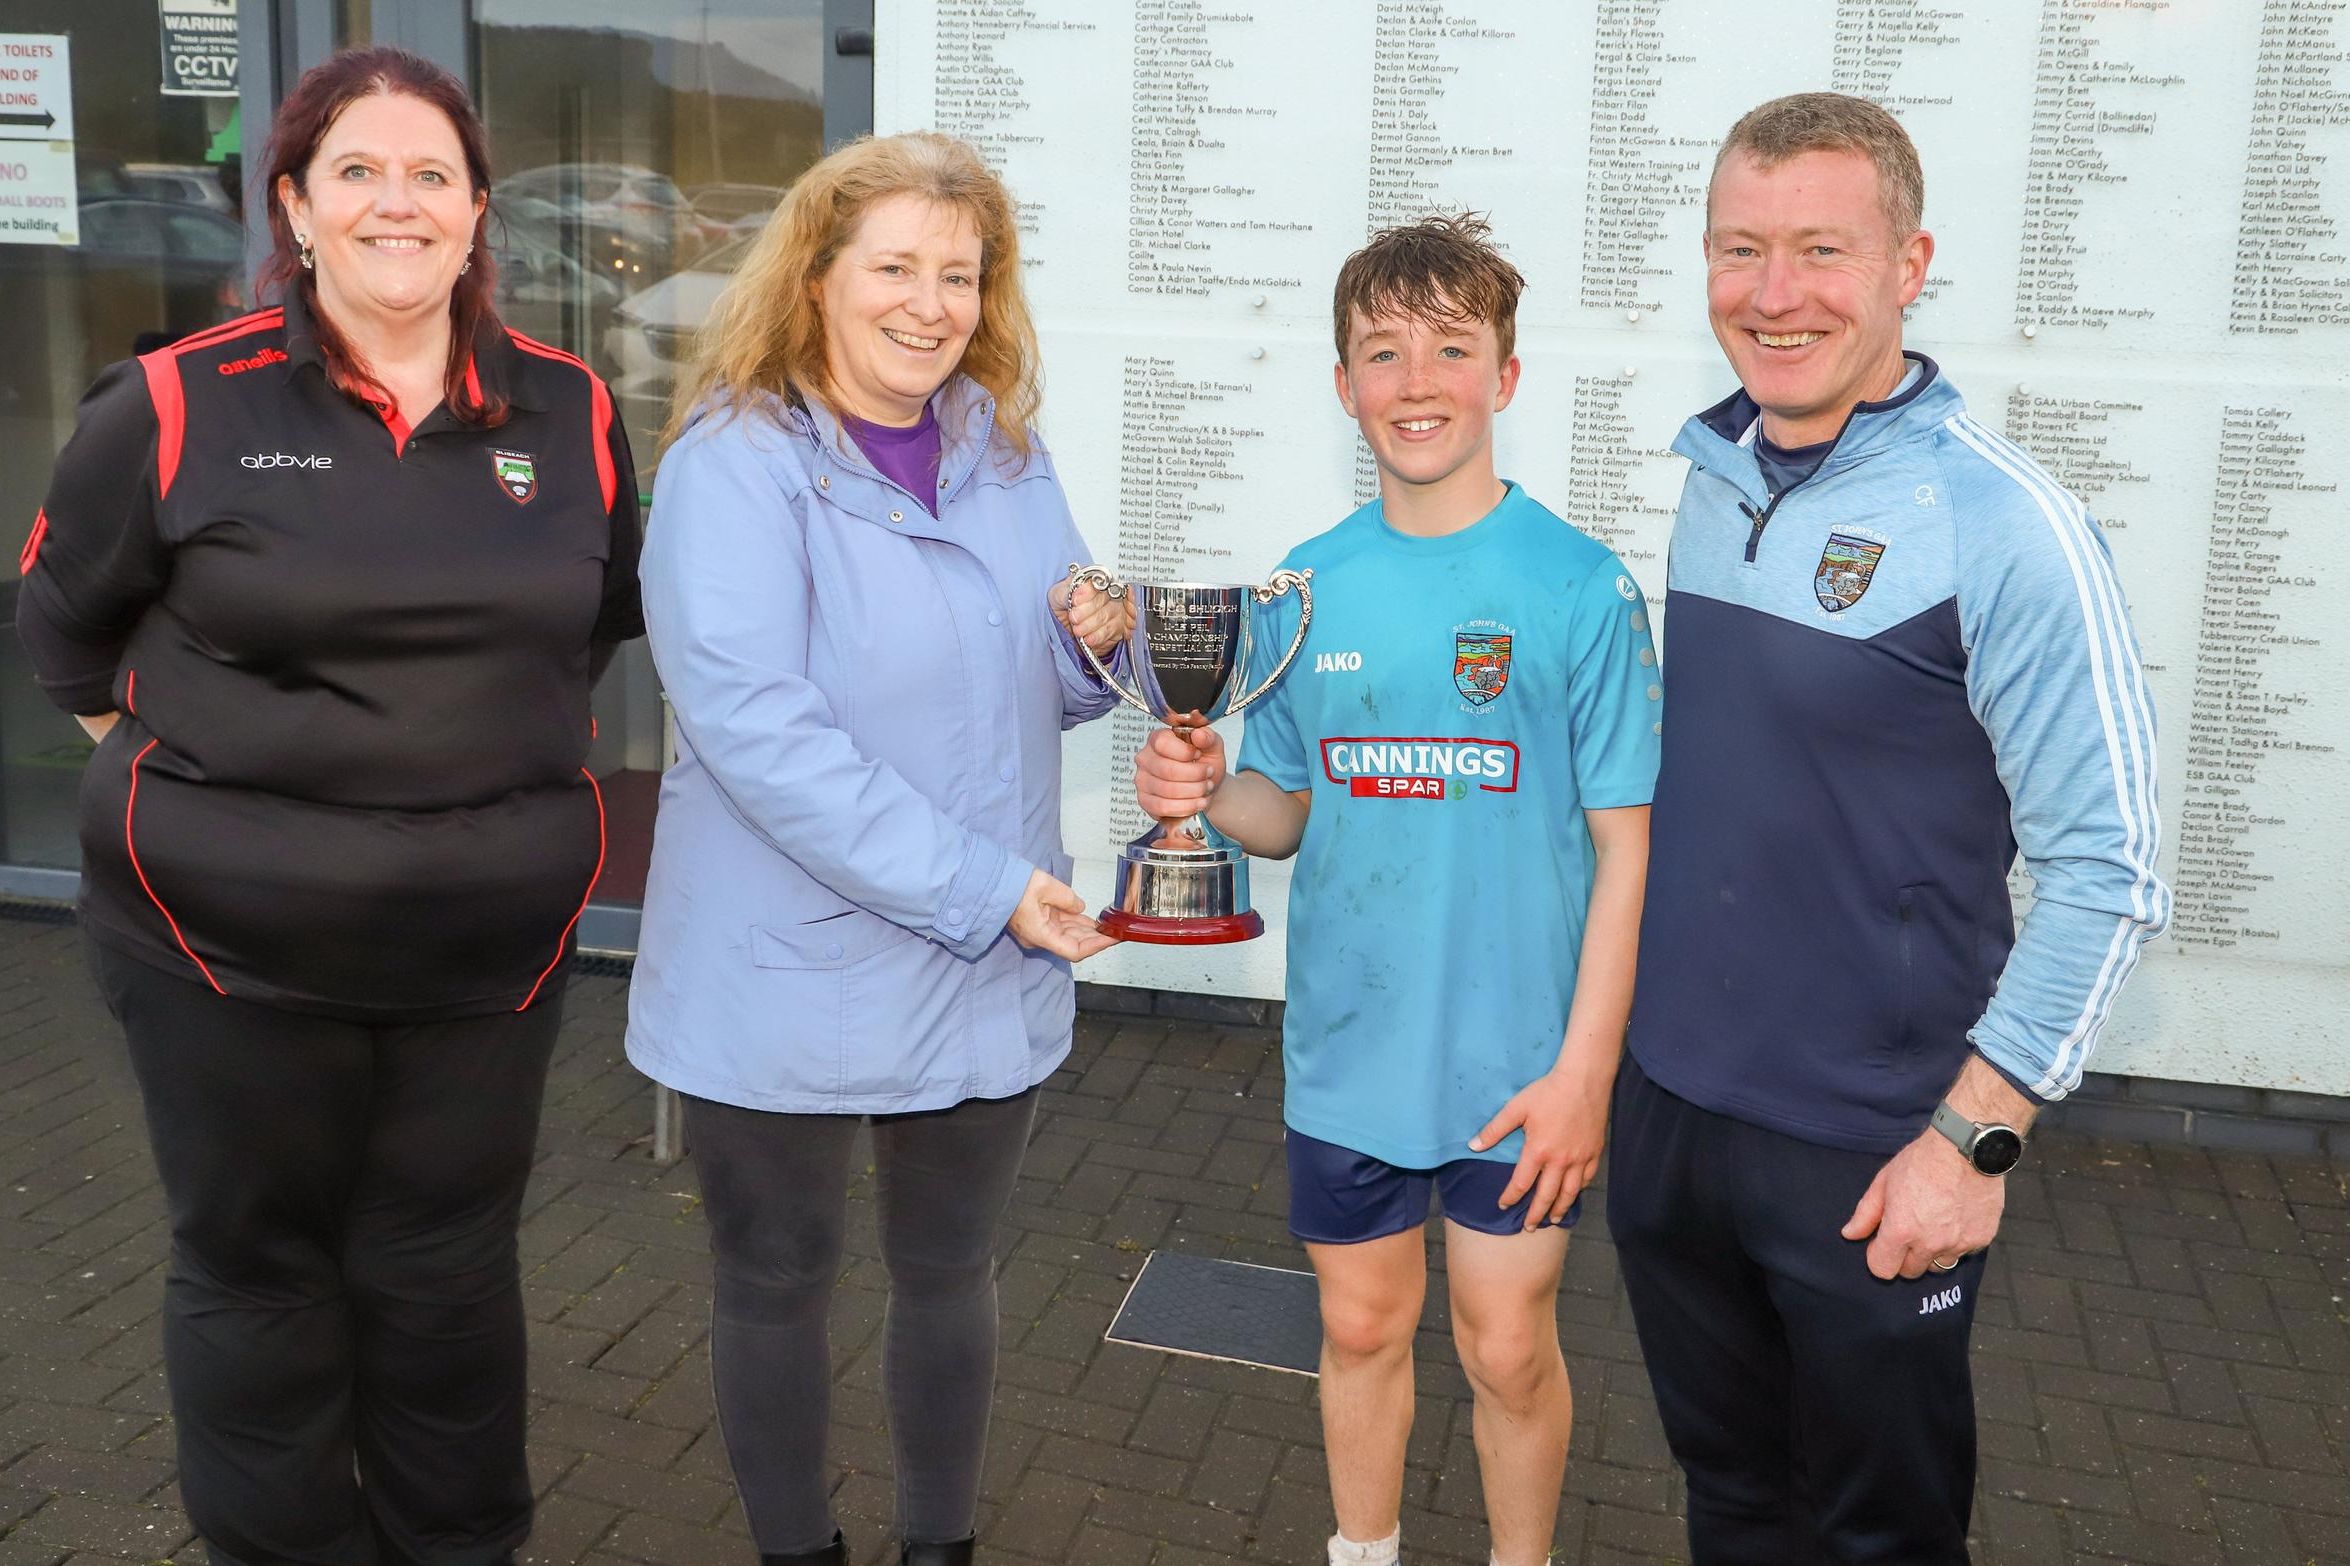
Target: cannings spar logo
1420, 767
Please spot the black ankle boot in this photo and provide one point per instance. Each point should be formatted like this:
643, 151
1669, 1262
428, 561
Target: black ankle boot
834, 1554
955, 1554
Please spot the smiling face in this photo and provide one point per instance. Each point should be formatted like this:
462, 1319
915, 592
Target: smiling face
1424, 395
900, 303
1805, 285
388, 207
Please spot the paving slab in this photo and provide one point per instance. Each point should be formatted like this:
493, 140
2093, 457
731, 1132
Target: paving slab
2163, 1349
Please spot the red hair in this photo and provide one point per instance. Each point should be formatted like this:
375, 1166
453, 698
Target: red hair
316, 102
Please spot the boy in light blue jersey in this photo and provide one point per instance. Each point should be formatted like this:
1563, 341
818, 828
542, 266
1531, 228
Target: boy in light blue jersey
1461, 758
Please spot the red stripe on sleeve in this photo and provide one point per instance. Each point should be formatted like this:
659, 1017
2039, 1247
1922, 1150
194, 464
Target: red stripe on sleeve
600, 411
214, 336
32, 543
171, 414
164, 390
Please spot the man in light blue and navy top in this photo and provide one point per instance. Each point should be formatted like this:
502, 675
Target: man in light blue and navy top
1897, 653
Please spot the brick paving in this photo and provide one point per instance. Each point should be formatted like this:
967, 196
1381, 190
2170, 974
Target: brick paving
2163, 1349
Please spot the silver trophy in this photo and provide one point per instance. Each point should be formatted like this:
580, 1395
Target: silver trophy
1184, 883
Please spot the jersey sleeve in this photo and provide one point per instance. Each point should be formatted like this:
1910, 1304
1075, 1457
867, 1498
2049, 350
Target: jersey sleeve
1614, 690
1269, 739
95, 560
2054, 678
622, 617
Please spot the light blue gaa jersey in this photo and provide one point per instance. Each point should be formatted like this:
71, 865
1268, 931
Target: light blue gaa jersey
1459, 703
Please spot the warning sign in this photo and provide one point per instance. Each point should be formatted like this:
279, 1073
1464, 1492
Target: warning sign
38, 204
199, 48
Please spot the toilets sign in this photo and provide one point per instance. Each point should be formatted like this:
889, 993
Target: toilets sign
38, 205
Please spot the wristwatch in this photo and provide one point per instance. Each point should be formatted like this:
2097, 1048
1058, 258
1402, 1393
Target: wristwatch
1992, 1149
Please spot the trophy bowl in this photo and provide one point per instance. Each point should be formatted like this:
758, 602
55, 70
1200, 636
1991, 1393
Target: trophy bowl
1183, 883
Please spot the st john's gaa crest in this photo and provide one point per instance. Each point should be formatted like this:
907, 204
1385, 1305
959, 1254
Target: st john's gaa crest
518, 474
1845, 567
1480, 665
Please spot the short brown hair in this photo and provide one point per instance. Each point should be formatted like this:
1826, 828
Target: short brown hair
1787, 128
766, 331
1442, 270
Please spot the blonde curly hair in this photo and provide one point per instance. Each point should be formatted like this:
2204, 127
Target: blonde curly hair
766, 332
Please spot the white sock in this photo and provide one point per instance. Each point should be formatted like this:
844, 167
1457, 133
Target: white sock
1379, 1552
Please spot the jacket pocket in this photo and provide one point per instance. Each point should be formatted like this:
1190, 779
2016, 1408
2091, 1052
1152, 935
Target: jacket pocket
836, 942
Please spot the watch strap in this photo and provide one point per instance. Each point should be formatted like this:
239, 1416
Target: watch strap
1958, 1128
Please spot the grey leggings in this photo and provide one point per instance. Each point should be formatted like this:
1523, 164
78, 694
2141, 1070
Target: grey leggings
776, 1187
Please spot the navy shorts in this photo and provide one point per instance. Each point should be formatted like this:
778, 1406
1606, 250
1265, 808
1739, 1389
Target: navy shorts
1338, 1196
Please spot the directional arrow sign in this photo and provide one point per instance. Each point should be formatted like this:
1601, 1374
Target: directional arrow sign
39, 204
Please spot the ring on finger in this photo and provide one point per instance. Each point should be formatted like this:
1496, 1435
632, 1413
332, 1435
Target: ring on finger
1939, 1265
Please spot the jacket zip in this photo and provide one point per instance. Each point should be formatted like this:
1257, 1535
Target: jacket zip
1761, 519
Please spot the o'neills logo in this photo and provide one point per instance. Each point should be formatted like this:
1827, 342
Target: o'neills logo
265, 357
1420, 768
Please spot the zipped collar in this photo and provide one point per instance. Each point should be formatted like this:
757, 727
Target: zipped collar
1721, 439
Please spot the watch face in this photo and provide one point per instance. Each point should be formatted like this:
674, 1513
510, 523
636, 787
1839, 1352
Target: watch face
1997, 1150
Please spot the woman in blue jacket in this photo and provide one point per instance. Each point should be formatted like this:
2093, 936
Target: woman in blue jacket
857, 905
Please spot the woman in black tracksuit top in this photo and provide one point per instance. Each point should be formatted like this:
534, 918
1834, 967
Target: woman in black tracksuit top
343, 622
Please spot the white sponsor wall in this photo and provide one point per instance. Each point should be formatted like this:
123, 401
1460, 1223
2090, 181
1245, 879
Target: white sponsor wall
2142, 275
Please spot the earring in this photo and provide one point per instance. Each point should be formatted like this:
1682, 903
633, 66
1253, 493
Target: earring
468, 266
307, 256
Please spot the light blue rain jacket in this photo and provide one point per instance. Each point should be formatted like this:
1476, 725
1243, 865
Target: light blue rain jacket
869, 711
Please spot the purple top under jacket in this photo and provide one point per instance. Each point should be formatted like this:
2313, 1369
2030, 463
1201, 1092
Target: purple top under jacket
907, 457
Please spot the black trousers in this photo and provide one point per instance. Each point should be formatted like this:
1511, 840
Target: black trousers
343, 1327
1821, 1415
776, 1186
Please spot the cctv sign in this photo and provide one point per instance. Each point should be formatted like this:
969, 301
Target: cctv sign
199, 48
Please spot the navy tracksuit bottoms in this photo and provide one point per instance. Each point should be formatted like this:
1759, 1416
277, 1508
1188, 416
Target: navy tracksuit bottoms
1821, 1415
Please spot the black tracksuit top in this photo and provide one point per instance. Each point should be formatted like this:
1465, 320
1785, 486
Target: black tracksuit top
353, 663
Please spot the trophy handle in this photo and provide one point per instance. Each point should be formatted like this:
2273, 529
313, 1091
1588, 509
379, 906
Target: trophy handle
1101, 581
1279, 583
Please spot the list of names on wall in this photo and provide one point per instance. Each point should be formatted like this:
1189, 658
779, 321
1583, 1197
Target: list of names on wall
2257, 734
2142, 273
2292, 258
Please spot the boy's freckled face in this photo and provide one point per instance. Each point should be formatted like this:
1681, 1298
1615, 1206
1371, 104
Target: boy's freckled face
1424, 393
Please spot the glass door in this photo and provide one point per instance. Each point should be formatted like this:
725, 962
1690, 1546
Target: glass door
638, 147
120, 165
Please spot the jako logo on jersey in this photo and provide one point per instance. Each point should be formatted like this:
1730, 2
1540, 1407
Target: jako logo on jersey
1420, 767
1337, 663
1942, 1301
266, 356
280, 459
